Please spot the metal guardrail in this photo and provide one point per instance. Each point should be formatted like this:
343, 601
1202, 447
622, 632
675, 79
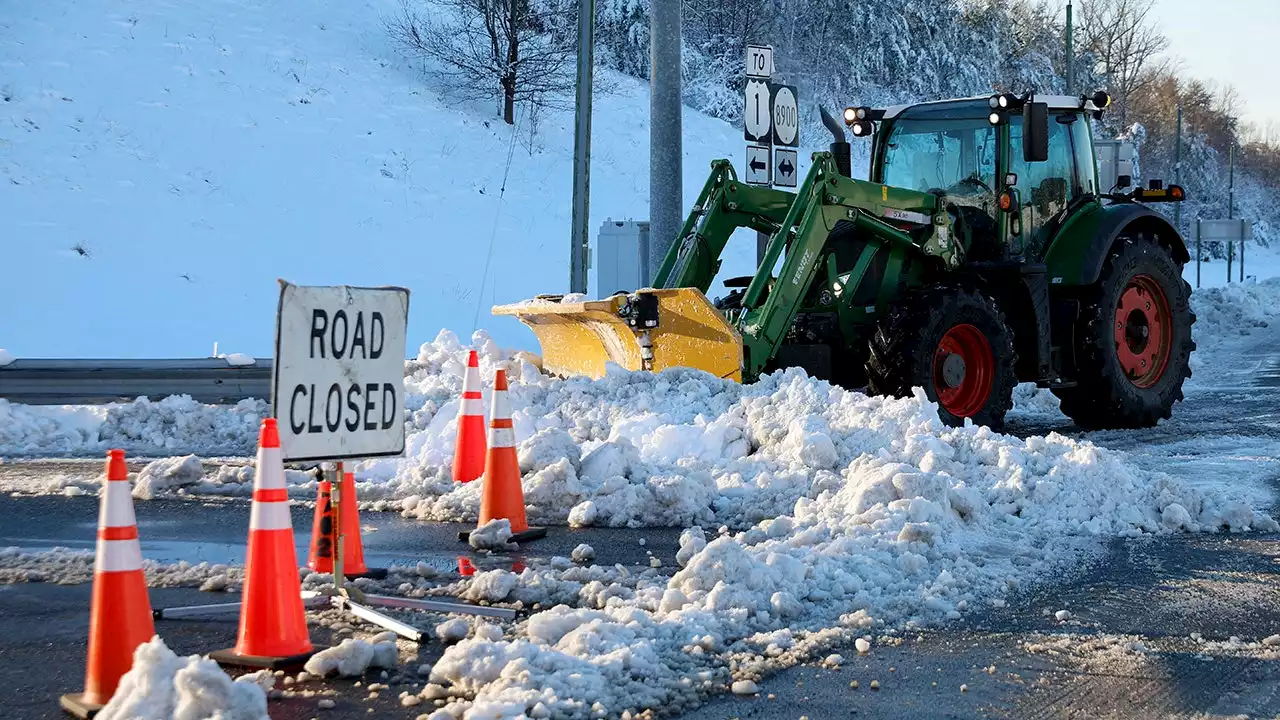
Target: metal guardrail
86, 382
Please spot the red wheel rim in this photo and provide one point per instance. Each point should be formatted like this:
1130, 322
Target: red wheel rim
1143, 327
963, 389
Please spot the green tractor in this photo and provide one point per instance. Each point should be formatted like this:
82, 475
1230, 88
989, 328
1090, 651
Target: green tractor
981, 253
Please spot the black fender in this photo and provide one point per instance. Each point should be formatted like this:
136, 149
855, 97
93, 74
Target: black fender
1078, 254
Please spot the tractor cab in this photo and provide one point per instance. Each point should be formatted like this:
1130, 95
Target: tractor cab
1005, 185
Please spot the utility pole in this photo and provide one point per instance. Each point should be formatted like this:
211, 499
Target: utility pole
580, 242
1071, 54
666, 193
1177, 171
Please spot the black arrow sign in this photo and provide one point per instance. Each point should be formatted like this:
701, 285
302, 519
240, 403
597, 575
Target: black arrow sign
786, 168
758, 166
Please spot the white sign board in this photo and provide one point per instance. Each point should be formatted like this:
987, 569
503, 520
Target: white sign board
759, 61
338, 390
756, 121
785, 167
1224, 230
758, 162
785, 113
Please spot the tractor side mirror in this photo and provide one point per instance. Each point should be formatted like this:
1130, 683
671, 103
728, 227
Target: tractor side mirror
1035, 132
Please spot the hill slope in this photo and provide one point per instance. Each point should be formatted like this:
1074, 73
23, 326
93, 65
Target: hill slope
199, 151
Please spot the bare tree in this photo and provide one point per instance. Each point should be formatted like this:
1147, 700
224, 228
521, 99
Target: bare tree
517, 50
1125, 43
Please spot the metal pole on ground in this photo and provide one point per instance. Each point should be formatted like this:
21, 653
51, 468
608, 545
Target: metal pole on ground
1177, 171
666, 194
579, 243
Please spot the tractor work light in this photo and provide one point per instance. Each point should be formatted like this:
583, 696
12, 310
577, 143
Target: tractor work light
996, 118
861, 128
856, 114
1101, 100
1002, 101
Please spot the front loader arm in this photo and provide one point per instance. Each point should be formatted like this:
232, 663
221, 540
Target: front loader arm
723, 206
825, 198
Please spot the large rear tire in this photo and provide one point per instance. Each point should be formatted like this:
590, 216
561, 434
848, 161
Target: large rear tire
954, 343
1133, 340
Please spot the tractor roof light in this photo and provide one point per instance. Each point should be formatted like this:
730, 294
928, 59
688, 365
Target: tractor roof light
856, 114
1003, 101
996, 118
862, 128
1101, 100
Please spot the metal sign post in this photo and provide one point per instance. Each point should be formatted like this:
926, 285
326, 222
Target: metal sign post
771, 127
1227, 232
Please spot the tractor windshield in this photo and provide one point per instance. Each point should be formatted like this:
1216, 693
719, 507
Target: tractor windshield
954, 155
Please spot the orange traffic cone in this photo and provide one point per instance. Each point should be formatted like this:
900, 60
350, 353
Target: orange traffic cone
321, 557
120, 613
273, 622
502, 496
468, 453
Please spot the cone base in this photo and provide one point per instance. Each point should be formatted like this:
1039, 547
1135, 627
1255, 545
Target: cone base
533, 533
231, 658
78, 706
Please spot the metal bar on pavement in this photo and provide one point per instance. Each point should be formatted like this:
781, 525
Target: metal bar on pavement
368, 614
441, 606
310, 600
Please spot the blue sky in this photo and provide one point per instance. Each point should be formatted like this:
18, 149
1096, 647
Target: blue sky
1230, 41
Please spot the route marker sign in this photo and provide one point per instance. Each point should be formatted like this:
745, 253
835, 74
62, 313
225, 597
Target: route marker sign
758, 165
784, 167
756, 112
760, 61
784, 111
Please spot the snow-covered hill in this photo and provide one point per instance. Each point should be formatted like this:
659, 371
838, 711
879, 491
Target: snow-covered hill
163, 163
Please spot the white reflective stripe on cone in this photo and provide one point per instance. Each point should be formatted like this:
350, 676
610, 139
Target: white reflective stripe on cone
472, 406
502, 437
118, 555
501, 408
472, 379
269, 474
270, 516
117, 505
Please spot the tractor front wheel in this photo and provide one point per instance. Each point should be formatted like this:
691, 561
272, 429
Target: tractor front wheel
954, 343
1133, 340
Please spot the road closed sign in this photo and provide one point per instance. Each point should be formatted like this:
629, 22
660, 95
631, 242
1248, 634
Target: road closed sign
338, 389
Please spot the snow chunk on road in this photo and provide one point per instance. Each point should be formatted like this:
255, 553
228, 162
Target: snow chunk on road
353, 657
163, 686
493, 535
745, 687
167, 474
583, 553
451, 631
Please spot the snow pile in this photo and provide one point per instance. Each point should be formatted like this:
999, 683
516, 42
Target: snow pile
66, 566
41, 429
179, 423
176, 423
161, 476
1228, 313
353, 657
163, 686
893, 520
238, 359
451, 631
6, 357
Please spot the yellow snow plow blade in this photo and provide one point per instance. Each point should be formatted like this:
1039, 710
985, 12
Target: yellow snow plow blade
580, 338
